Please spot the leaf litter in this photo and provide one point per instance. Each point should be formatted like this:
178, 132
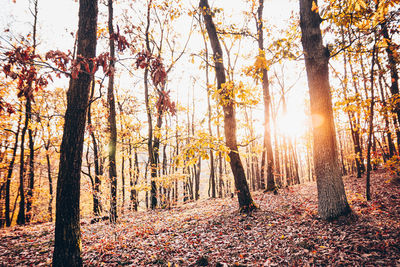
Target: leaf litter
284, 231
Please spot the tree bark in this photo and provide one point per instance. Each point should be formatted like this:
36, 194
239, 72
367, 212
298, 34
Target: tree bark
112, 146
371, 127
9, 175
97, 169
332, 201
266, 165
67, 250
390, 50
246, 202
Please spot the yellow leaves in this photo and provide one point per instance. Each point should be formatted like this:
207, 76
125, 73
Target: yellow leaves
227, 158
314, 7
359, 4
102, 31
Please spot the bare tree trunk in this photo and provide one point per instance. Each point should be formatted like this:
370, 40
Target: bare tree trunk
67, 249
269, 167
112, 146
394, 88
97, 169
246, 202
332, 201
371, 126
9, 175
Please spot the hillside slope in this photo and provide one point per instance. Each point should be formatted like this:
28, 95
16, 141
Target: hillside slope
285, 230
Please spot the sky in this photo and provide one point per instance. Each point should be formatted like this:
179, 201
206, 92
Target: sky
58, 20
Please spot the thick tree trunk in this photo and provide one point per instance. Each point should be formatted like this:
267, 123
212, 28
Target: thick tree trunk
67, 250
246, 203
332, 201
390, 50
112, 145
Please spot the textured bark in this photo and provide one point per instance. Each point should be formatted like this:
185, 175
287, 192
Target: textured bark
246, 203
112, 145
268, 164
332, 201
67, 250
390, 50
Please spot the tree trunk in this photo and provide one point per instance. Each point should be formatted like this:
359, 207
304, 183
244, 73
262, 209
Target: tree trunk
390, 50
212, 167
9, 174
268, 164
67, 250
332, 201
97, 169
50, 207
112, 145
371, 127
246, 203
21, 219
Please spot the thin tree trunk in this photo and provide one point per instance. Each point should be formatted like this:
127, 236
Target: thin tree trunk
112, 146
268, 164
246, 202
371, 127
21, 213
31, 177
9, 174
97, 169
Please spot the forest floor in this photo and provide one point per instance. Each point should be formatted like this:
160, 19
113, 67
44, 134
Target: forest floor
284, 231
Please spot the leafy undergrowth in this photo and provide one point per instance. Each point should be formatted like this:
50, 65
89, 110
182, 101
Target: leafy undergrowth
284, 231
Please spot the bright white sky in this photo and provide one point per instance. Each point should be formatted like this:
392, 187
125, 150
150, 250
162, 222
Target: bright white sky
58, 18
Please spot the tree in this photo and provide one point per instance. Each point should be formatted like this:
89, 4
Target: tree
112, 146
332, 201
67, 248
267, 146
246, 203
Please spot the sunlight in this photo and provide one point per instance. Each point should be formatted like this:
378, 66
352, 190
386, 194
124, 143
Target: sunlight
292, 125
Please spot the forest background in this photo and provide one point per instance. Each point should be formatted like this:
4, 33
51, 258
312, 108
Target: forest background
156, 139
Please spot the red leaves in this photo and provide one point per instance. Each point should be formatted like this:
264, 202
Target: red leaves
4, 106
121, 41
59, 58
158, 74
81, 64
144, 59
20, 67
164, 103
